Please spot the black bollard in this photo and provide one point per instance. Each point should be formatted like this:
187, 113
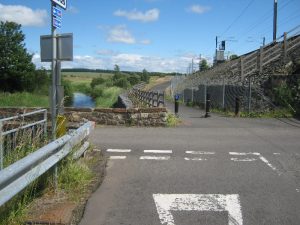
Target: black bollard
237, 106
176, 104
207, 106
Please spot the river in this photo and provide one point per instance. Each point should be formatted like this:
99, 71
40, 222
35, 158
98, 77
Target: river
81, 100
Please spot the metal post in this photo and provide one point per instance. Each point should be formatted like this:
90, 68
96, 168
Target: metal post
59, 88
249, 96
53, 94
1, 146
207, 108
275, 21
223, 94
45, 124
237, 106
285, 46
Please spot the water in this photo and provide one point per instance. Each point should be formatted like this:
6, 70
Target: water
83, 101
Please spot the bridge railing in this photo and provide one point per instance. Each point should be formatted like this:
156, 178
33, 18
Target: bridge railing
16, 177
11, 127
150, 98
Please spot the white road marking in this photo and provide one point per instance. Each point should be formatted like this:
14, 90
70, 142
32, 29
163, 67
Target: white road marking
155, 157
195, 159
243, 160
119, 150
159, 151
165, 203
199, 153
269, 164
244, 153
298, 190
263, 159
276, 153
117, 157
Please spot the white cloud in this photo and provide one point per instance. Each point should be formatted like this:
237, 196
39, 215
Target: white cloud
129, 62
198, 9
107, 52
120, 34
148, 16
23, 15
145, 42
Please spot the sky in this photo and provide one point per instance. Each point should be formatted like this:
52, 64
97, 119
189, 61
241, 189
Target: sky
158, 35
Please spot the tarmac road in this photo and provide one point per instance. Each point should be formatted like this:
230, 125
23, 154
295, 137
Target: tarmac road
207, 171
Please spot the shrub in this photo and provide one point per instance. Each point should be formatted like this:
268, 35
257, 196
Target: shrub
97, 81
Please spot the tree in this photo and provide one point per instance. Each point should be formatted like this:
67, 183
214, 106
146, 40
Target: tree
203, 65
234, 56
16, 67
117, 73
145, 76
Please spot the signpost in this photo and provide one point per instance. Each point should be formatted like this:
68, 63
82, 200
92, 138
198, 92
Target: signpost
56, 22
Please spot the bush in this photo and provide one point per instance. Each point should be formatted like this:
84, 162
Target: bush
68, 92
97, 81
97, 91
122, 83
133, 79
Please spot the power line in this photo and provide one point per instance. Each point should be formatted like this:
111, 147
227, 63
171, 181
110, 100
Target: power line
238, 17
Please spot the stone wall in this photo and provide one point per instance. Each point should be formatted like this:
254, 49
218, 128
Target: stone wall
152, 117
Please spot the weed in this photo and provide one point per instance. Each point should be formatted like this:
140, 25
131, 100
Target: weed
172, 120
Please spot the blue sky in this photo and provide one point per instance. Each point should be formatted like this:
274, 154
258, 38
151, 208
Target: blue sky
159, 35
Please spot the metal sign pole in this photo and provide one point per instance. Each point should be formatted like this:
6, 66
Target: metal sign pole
53, 94
53, 67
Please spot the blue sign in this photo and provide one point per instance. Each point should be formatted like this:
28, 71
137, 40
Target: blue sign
61, 3
57, 12
176, 97
56, 23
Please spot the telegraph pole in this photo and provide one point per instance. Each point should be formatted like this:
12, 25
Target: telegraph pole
275, 21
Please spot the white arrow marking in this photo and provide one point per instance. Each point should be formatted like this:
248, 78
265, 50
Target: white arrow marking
165, 203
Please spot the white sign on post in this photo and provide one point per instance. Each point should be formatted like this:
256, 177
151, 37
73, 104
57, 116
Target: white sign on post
166, 203
61, 3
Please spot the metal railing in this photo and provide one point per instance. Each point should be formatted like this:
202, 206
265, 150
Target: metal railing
22, 126
150, 98
16, 177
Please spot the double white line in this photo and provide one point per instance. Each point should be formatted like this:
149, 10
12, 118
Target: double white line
157, 157
118, 151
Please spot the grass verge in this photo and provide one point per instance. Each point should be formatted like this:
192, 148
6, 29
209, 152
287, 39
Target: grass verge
109, 97
23, 99
278, 113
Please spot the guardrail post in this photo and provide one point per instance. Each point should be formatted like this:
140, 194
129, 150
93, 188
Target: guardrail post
1, 146
45, 124
285, 46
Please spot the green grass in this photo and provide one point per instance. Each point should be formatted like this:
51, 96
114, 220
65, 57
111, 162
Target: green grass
23, 99
278, 113
109, 97
172, 120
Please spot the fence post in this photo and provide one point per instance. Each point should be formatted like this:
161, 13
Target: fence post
285, 43
205, 91
45, 124
249, 96
237, 106
261, 52
223, 94
1, 146
242, 67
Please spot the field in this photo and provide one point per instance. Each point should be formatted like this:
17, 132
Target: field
83, 77
23, 99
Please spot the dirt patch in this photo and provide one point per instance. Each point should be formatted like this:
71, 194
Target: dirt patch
56, 207
154, 81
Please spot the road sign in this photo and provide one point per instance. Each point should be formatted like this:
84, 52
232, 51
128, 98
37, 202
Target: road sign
64, 47
56, 23
61, 3
165, 203
57, 12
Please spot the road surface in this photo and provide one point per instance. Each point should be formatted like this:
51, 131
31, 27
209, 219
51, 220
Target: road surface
207, 171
